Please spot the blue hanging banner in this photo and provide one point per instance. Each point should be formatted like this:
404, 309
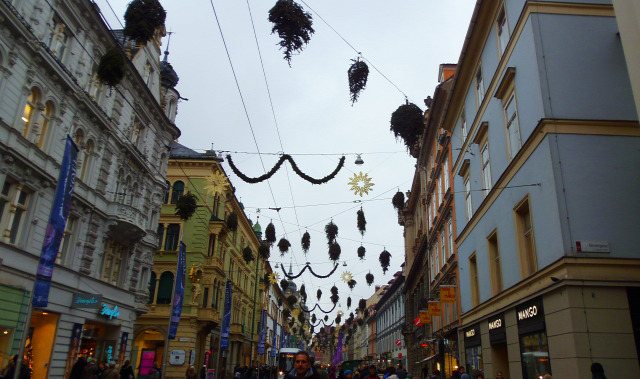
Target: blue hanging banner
262, 333
282, 336
274, 347
56, 225
178, 292
226, 316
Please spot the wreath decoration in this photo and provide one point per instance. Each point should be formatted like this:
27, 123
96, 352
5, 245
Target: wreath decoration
384, 259
283, 246
305, 242
142, 18
334, 251
370, 279
247, 255
270, 233
308, 266
111, 67
407, 122
232, 222
358, 73
362, 222
186, 206
398, 201
361, 252
293, 25
277, 166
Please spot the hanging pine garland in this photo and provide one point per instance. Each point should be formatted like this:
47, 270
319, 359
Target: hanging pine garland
348, 302
111, 67
283, 246
306, 242
331, 230
270, 233
362, 305
277, 167
351, 283
334, 251
284, 284
141, 20
358, 74
398, 201
384, 259
293, 25
232, 222
407, 122
362, 222
334, 295
292, 300
247, 255
319, 294
370, 279
264, 252
186, 206
361, 252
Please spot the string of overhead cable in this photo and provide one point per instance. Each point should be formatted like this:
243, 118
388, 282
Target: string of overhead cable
303, 154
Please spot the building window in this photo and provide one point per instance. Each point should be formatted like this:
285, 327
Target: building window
463, 125
513, 126
160, 235
172, 238
152, 288
13, 207
136, 133
178, 190
95, 85
526, 239
443, 243
165, 288
479, 86
212, 243
445, 173
450, 235
45, 119
167, 191
112, 262
205, 297
65, 243
148, 74
486, 168
502, 29
86, 161
58, 39
495, 266
28, 113
467, 198
473, 277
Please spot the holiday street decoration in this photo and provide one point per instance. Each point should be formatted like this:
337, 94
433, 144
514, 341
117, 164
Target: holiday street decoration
313, 318
384, 259
331, 230
326, 318
186, 206
358, 74
305, 242
369, 278
352, 283
217, 184
283, 246
247, 255
346, 276
292, 300
232, 222
277, 167
334, 251
284, 284
338, 319
334, 295
398, 201
361, 184
286, 313
407, 122
264, 251
308, 266
141, 20
293, 25
274, 277
301, 318
270, 233
319, 294
340, 313
362, 222
362, 305
111, 67
280, 301
295, 313
361, 252
303, 292
348, 302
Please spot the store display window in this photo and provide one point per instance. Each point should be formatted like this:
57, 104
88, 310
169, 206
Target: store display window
535, 355
98, 342
473, 349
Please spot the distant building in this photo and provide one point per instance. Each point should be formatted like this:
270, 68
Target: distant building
391, 348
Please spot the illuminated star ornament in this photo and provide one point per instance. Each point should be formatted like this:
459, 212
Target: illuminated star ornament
274, 277
361, 184
217, 184
295, 313
347, 276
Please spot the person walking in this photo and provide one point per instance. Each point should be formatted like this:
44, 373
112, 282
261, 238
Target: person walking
463, 373
499, 375
110, 371
373, 373
302, 367
391, 374
191, 373
126, 372
597, 371
76, 370
436, 374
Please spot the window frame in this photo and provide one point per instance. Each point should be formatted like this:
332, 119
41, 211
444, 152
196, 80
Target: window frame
502, 30
485, 167
479, 84
14, 204
113, 262
512, 150
527, 254
468, 201
495, 263
54, 40
29, 112
464, 131
474, 280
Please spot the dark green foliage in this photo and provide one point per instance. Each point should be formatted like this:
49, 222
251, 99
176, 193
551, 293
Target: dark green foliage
349, 302
303, 292
313, 318
301, 317
111, 67
247, 255
319, 294
334, 298
292, 300
142, 18
306, 242
284, 284
384, 259
326, 318
352, 283
270, 233
186, 206
286, 313
361, 252
232, 222
264, 251
284, 246
293, 25
338, 319
407, 122
369, 278
358, 74
362, 305
334, 252
331, 230
362, 222
398, 201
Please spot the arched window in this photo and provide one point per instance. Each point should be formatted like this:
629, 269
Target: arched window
45, 118
178, 190
152, 287
134, 191
117, 195
167, 191
86, 161
173, 237
78, 137
27, 115
160, 233
165, 287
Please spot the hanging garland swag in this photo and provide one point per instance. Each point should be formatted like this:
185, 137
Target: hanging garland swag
307, 266
294, 166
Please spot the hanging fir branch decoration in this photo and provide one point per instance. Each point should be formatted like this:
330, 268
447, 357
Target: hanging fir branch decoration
275, 168
293, 25
358, 74
407, 122
362, 305
232, 222
362, 222
291, 322
348, 302
306, 242
292, 300
308, 266
286, 313
334, 252
313, 318
283, 246
264, 251
141, 20
279, 301
334, 295
352, 283
301, 318
361, 252
284, 284
384, 259
319, 294
326, 318
331, 230
398, 201
111, 67
247, 255
338, 319
186, 206
369, 278
270, 233
303, 292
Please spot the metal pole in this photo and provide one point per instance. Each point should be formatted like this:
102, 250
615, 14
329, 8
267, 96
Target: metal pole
25, 332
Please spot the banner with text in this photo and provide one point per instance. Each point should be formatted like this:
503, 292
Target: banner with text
425, 318
262, 332
226, 316
178, 291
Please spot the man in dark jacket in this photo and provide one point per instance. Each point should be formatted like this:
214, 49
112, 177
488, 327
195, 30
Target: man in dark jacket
373, 373
302, 367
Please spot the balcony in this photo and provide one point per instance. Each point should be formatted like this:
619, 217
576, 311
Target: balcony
236, 329
214, 263
209, 314
126, 223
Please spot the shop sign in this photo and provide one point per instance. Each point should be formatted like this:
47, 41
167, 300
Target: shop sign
435, 309
83, 300
496, 323
447, 294
592, 246
425, 318
177, 357
530, 316
497, 332
109, 312
109, 353
528, 312
470, 333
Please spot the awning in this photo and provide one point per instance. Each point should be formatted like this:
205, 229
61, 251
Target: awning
427, 359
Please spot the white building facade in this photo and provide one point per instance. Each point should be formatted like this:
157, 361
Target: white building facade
390, 319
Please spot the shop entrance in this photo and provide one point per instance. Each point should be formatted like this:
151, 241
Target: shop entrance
149, 349
500, 359
99, 342
37, 351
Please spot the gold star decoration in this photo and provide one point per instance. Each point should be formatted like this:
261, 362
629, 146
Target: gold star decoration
347, 276
361, 184
340, 313
274, 277
295, 313
217, 184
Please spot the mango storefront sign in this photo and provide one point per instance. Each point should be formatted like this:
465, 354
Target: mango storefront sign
84, 300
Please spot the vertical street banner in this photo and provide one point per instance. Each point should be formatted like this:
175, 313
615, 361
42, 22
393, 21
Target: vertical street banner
337, 356
282, 336
274, 347
226, 316
447, 294
56, 225
178, 291
262, 332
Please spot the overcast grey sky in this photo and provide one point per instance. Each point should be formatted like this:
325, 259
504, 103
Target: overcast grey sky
406, 40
